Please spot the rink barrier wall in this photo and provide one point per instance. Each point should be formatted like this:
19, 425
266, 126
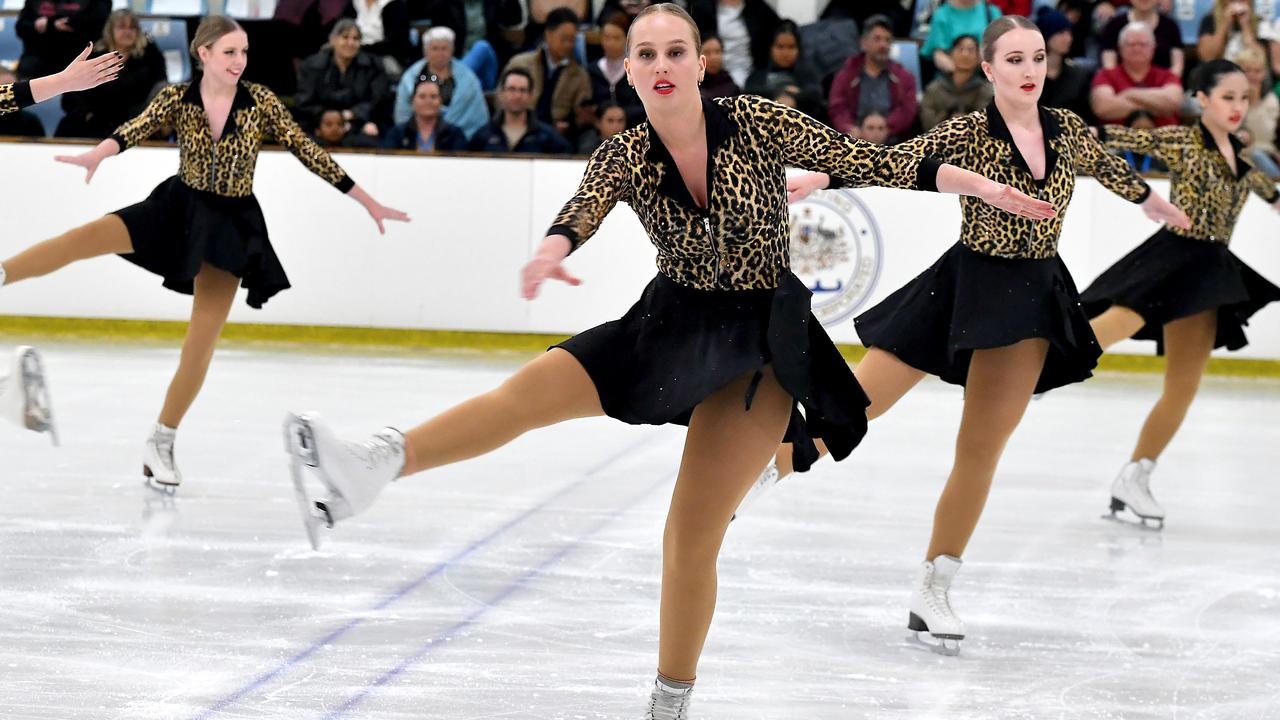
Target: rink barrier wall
451, 278
308, 338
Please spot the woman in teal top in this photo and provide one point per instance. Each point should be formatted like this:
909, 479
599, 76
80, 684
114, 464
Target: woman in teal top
951, 20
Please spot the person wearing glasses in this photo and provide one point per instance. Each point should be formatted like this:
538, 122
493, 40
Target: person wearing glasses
514, 129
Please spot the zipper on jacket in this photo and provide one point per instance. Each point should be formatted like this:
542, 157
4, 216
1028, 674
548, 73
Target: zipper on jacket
715, 251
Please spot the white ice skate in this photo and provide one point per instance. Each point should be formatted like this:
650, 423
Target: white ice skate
931, 613
158, 464
762, 485
1132, 490
669, 701
24, 395
352, 472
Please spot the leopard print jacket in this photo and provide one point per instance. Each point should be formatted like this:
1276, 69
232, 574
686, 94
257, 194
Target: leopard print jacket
1203, 183
741, 241
15, 96
981, 142
226, 167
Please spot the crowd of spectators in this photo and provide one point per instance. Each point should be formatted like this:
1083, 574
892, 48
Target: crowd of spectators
544, 76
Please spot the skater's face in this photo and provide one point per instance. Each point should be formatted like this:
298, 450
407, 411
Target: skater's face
226, 59
663, 62
1226, 104
1017, 66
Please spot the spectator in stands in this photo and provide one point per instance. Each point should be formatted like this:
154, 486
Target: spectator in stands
745, 29
1169, 54
962, 91
460, 90
560, 84
480, 28
19, 123
1143, 120
900, 14
333, 129
384, 30
951, 20
1014, 7
342, 76
514, 128
1259, 129
786, 71
627, 8
54, 32
611, 119
1080, 14
609, 77
1232, 27
309, 21
871, 82
1136, 84
1066, 85
98, 112
427, 130
874, 128
716, 82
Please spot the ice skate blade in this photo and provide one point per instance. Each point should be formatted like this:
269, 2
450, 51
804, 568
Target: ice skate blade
299, 442
948, 647
1144, 523
155, 483
37, 414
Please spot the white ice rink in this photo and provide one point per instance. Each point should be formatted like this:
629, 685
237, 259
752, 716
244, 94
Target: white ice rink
525, 584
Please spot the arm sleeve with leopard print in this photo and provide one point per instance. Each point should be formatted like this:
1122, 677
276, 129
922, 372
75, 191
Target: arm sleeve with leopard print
159, 113
603, 184
1169, 144
1261, 185
1091, 158
287, 132
15, 96
947, 141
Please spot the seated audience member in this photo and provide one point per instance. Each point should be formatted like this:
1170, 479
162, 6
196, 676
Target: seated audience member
611, 119
716, 82
1066, 85
384, 29
480, 27
1169, 54
1233, 26
54, 32
334, 131
1143, 120
465, 106
745, 29
1136, 84
787, 71
427, 130
21, 123
345, 77
871, 82
560, 83
951, 20
874, 128
514, 128
899, 13
98, 112
1259, 129
961, 91
609, 77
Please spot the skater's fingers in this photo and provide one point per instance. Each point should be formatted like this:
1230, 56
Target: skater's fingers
563, 275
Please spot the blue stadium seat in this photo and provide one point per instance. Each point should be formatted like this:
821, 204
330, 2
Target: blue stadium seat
1188, 14
171, 37
907, 54
250, 9
10, 43
50, 114
178, 8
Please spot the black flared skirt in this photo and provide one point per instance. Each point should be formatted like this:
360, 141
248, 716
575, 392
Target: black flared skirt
1169, 277
177, 229
972, 301
678, 345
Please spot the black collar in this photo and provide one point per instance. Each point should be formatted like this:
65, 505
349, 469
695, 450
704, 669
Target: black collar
242, 101
1049, 126
1242, 166
720, 127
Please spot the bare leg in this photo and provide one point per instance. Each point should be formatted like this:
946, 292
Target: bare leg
1187, 343
997, 392
105, 236
885, 379
215, 291
725, 450
550, 389
1115, 324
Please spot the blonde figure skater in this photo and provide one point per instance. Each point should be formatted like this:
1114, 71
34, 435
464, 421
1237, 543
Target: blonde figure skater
24, 393
722, 340
201, 230
1184, 288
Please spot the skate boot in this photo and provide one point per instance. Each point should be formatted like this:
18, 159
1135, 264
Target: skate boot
762, 485
1132, 490
158, 464
24, 396
669, 700
931, 612
353, 473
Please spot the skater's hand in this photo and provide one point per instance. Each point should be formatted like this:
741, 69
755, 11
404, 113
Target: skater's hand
89, 161
546, 265
1276, 206
1016, 202
83, 73
381, 212
801, 186
1165, 212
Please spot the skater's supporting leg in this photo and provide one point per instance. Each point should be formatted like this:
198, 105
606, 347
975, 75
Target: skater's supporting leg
215, 291
1187, 343
725, 449
1115, 324
885, 379
550, 389
997, 392
105, 236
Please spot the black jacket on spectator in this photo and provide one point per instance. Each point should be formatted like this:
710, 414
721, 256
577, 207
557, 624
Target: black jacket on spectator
620, 93
364, 89
45, 53
539, 138
395, 33
21, 123
449, 138
860, 10
1070, 90
761, 21
498, 14
720, 84
770, 80
98, 112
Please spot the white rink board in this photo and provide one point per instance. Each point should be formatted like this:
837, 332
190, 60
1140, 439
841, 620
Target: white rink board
476, 220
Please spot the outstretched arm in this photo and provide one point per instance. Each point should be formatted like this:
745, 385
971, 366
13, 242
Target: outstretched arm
81, 74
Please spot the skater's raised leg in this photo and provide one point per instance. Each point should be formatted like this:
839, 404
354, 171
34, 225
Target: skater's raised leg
1116, 323
105, 236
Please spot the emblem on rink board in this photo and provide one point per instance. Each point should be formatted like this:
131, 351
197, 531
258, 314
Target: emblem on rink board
835, 250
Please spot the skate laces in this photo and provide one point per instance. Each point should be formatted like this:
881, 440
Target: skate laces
937, 596
665, 705
164, 447
376, 451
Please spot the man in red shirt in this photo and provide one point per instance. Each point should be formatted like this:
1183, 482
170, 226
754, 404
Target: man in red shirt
1136, 83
